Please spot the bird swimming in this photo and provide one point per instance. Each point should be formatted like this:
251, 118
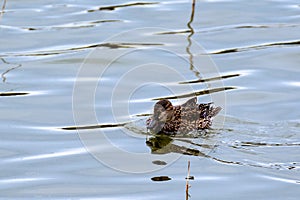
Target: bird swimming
190, 116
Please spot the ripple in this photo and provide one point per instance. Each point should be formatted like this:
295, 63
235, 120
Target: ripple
159, 162
210, 79
75, 25
265, 144
242, 153
160, 178
21, 180
257, 47
110, 8
229, 27
74, 151
197, 93
294, 181
295, 83
7, 94
21, 93
59, 50
97, 126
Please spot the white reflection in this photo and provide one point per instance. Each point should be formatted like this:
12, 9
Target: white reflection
295, 83
20, 180
283, 179
51, 155
56, 154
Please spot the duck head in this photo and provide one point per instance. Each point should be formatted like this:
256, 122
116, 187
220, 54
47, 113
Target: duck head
163, 112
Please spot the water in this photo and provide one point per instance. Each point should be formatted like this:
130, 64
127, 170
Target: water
54, 79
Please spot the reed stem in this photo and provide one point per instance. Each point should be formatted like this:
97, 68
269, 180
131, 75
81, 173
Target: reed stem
2, 9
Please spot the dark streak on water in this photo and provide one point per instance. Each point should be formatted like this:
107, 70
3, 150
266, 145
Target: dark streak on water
69, 50
93, 126
8, 94
260, 144
159, 162
256, 47
246, 26
110, 8
210, 79
160, 178
197, 93
71, 26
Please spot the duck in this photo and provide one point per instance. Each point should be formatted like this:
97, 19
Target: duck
188, 117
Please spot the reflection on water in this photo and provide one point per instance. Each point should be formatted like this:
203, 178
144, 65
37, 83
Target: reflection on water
2, 9
164, 145
197, 93
160, 178
93, 126
191, 33
202, 80
255, 153
75, 25
110, 8
159, 162
6, 94
15, 66
58, 51
257, 47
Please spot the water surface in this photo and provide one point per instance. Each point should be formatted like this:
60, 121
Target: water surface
254, 154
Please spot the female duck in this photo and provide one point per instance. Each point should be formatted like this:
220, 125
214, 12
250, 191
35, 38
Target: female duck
190, 116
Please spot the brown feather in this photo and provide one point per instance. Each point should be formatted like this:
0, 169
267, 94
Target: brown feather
190, 116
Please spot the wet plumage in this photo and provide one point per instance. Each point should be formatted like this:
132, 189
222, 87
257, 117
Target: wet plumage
185, 118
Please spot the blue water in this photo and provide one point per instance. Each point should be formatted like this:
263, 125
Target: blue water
100, 66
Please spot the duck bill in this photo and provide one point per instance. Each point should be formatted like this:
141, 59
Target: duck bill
155, 126
153, 123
